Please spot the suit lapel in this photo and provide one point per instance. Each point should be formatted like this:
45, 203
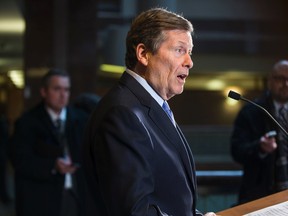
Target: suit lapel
160, 118
47, 122
189, 154
175, 137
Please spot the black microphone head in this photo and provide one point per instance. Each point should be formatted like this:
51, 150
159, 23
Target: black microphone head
234, 95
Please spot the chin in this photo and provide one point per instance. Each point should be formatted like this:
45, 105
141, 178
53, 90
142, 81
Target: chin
180, 91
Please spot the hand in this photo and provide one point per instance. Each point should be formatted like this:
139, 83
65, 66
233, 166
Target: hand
63, 167
267, 144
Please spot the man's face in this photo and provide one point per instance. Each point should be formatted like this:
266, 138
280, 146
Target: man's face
278, 84
56, 94
168, 68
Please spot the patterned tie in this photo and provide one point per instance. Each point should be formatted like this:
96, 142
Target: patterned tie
168, 111
282, 153
283, 117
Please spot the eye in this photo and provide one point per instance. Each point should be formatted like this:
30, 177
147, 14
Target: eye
180, 51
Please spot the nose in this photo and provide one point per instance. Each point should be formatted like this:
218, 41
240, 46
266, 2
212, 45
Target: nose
188, 61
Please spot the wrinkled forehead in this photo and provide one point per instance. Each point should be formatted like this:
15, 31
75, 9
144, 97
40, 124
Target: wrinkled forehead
182, 37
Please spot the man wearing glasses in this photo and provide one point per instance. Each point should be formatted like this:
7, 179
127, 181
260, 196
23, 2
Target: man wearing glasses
262, 155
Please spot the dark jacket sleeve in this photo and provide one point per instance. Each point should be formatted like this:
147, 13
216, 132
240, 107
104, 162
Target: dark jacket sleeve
249, 126
34, 150
124, 157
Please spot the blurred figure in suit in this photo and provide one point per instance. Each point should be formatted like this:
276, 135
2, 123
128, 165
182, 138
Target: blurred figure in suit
46, 155
87, 102
264, 158
4, 135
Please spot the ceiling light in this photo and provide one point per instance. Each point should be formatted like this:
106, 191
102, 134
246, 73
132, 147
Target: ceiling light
108, 68
12, 26
17, 77
215, 84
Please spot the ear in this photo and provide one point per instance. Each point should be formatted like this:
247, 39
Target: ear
142, 54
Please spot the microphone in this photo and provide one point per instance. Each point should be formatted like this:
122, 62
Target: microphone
236, 96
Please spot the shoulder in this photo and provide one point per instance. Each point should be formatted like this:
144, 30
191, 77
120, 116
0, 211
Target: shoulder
252, 113
76, 113
33, 113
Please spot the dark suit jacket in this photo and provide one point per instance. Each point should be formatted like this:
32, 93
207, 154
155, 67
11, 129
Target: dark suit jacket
250, 124
137, 162
34, 152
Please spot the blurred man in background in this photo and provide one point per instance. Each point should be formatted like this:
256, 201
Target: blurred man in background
263, 154
46, 153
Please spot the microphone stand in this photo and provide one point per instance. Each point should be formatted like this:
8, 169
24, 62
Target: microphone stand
237, 96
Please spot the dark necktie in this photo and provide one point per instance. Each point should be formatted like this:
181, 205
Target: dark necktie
59, 130
281, 167
168, 111
59, 124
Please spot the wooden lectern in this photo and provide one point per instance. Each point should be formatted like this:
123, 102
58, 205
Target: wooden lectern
256, 204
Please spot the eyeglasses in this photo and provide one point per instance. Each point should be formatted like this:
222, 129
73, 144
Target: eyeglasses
280, 79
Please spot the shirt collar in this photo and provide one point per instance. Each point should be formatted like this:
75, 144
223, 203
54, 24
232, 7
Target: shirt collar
54, 116
145, 85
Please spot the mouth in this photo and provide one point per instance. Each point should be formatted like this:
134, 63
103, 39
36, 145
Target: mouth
182, 77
